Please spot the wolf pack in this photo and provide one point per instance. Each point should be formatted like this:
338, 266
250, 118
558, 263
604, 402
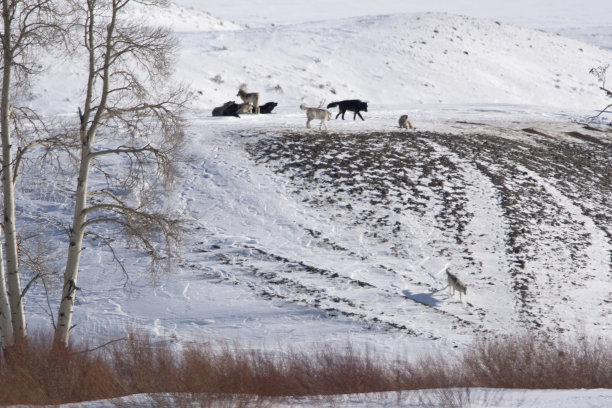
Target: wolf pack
250, 105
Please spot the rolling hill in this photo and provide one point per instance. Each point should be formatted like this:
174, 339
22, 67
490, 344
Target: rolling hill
298, 237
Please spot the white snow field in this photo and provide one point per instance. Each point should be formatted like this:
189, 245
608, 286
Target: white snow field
299, 238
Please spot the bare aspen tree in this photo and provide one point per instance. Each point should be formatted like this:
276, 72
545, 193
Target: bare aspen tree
129, 112
26, 24
601, 72
6, 327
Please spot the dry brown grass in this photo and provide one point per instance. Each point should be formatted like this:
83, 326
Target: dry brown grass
34, 372
37, 373
532, 363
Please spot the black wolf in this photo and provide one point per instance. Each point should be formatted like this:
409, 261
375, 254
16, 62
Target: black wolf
354, 105
267, 107
228, 109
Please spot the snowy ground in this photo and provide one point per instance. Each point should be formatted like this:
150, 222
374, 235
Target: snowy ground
474, 398
300, 237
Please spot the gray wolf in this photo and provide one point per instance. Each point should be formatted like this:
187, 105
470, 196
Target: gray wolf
353, 105
245, 108
455, 285
227, 109
404, 123
316, 113
267, 107
252, 98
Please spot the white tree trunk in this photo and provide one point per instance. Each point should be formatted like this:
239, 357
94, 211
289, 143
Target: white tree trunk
87, 135
6, 327
66, 310
108, 50
12, 259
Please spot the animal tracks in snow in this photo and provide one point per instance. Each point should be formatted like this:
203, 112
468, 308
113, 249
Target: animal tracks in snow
514, 216
363, 225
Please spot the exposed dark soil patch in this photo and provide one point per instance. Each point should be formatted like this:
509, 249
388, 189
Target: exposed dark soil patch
366, 178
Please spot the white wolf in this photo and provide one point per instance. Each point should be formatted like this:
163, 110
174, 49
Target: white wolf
404, 123
245, 108
316, 113
455, 285
252, 98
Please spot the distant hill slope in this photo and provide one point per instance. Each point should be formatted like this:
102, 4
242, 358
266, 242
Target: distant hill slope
404, 59
395, 59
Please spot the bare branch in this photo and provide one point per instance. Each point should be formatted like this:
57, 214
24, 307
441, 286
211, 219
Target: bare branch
126, 150
116, 258
601, 74
127, 91
604, 110
108, 343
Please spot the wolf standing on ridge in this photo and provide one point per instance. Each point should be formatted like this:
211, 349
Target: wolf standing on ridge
252, 98
354, 105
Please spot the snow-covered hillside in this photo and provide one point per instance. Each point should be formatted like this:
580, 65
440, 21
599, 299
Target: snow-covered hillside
388, 60
298, 237
394, 60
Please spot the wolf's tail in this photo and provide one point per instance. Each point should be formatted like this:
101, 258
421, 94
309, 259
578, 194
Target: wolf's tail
331, 105
303, 107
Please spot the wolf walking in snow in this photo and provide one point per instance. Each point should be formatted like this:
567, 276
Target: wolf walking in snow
455, 285
316, 113
353, 105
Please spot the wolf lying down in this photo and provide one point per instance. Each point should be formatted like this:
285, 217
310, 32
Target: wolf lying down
232, 108
405, 123
229, 108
